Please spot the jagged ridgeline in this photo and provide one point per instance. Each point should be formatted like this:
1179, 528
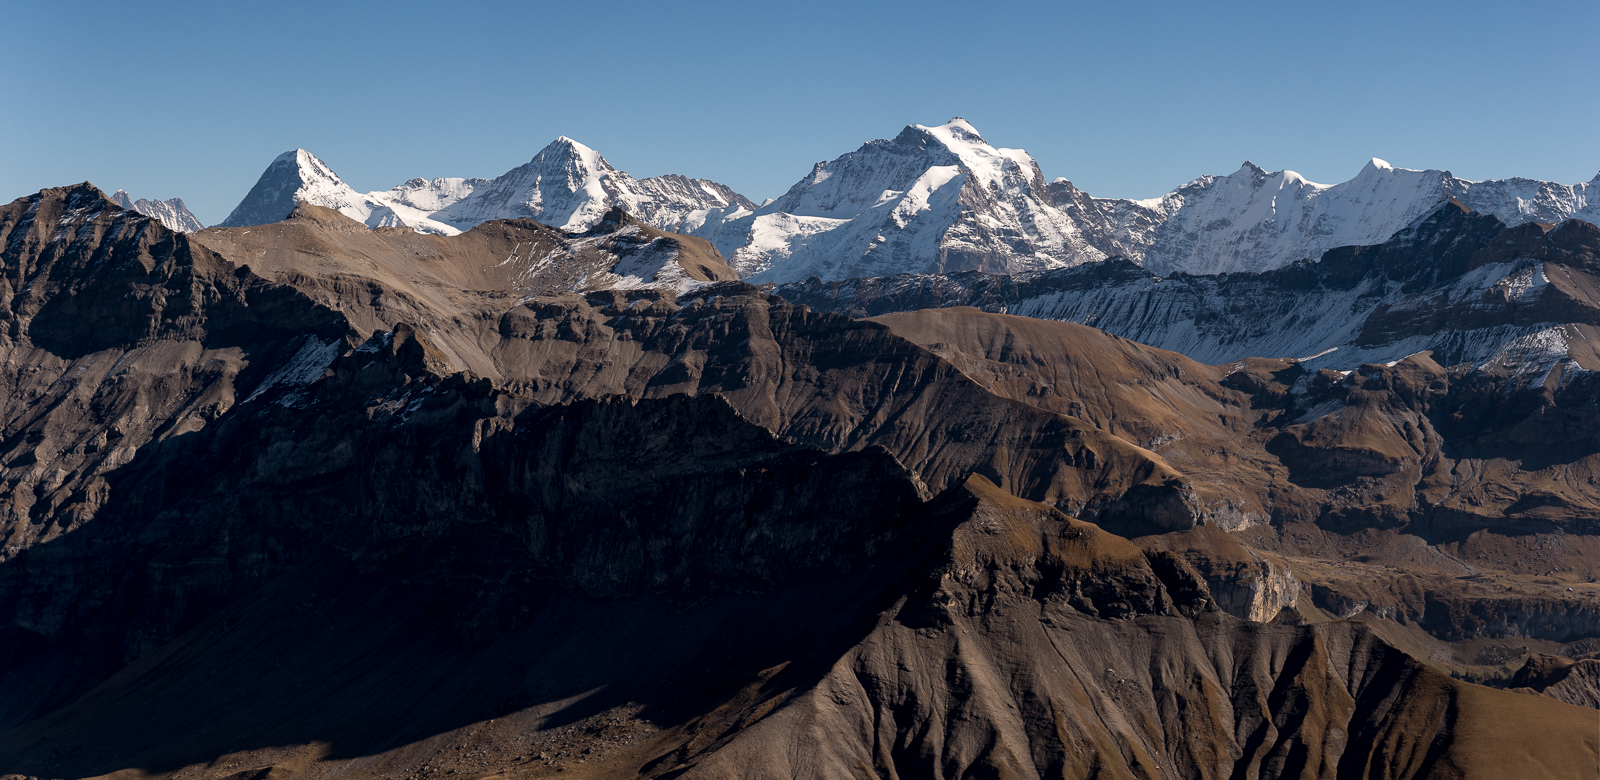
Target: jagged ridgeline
311, 499
934, 199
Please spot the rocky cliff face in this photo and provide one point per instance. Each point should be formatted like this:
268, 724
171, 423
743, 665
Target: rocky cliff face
315, 500
1244, 582
1563, 679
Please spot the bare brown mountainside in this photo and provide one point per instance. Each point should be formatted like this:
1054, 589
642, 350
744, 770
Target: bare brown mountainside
1460, 502
321, 502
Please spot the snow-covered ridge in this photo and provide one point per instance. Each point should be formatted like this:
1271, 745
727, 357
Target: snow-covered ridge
1255, 220
170, 212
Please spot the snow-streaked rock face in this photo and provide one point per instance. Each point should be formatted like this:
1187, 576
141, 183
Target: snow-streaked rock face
300, 177
567, 185
1460, 284
170, 212
1519, 201
1255, 220
932, 199
570, 186
295, 177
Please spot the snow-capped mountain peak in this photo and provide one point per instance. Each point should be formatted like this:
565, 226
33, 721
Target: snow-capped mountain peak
935, 198
1256, 220
567, 185
984, 161
170, 212
1249, 170
293, 177
932, 198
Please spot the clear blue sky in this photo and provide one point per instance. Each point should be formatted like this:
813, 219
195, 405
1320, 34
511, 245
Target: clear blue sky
1126, 99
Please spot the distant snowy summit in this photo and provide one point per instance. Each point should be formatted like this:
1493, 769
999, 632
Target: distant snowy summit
934, 199
299, 177
570, 186
170, 212
566, 185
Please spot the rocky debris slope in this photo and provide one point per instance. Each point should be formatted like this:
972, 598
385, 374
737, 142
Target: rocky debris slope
171, 212
679, 593
1033, 622
566, 185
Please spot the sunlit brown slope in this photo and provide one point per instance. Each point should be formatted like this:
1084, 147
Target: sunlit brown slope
380, 278
1458, 503
1159, 400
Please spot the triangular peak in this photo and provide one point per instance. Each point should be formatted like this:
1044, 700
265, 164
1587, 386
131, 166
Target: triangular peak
564, 148
1250, 170
293, 176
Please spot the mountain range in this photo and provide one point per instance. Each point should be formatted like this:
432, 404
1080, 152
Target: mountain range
929, 468
566, 185
934, 200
